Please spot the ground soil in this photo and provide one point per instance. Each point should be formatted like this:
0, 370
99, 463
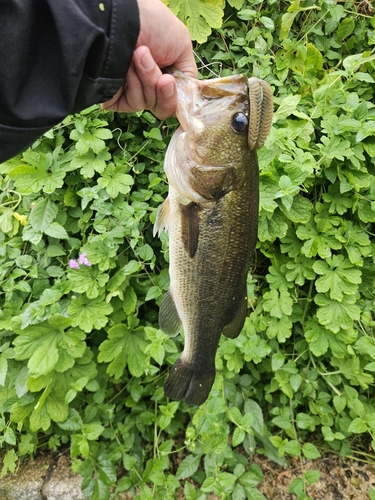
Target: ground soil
339, 479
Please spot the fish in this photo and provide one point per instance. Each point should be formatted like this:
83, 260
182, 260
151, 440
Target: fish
211, 214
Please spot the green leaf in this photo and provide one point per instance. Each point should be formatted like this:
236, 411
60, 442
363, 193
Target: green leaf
317, 242
115, 180
92, 431
334, 147
252, 477
57, 231
89, 162
124, 348
199, 16
100, 491
280, 328
238, 436
3, 369
286, 107
88, 280
297, 487
89, 314
339, 277
278, 303
339, 403
130, 300
310, 451
188, 466
42, 214
90, 139
335, 315
9, 462
293, 447
278, 359
304, 421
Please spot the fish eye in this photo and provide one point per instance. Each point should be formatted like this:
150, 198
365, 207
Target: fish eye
239, 122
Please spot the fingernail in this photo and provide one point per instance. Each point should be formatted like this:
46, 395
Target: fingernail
147, 61
167, 90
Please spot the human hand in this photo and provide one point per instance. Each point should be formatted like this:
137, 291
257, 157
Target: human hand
163, 41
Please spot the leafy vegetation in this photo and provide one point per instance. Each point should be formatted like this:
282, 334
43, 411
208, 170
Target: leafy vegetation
82, 361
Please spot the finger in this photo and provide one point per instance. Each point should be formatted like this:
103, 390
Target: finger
148, 73
134, 98
166, 97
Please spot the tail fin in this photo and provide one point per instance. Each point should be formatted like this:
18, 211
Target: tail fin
186, 382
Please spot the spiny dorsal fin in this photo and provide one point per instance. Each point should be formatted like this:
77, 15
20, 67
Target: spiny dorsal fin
169, 320
190, 228
162, 218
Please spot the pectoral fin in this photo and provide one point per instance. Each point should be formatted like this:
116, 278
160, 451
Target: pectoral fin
232, 329
162, 218
169, 320
190, 228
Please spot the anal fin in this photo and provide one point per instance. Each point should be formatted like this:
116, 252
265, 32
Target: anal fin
169, 320
232, 329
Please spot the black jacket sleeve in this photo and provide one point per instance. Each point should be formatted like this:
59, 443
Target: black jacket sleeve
58, 57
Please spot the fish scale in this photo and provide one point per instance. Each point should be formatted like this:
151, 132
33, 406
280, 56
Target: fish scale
211, 214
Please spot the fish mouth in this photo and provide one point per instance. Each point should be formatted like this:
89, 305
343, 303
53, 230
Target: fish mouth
200, 99
202, 102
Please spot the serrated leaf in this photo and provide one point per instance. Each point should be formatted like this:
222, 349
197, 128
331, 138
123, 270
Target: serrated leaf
88, 280
338, 276
286, 107
55, 230
42, 214
199, 16
89, 314
100, 491
238, 436
278, 359
278, 303
9, 462
335, 315
124, 348
92, 431
310, 451
252, 477
188, 466
312, 476
335, 147
114, 180
293, 447
89, 163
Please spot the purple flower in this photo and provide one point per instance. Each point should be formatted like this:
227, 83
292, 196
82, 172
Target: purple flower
84, 260
73, 264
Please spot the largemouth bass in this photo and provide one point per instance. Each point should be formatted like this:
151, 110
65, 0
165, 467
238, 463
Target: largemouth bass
211, 214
